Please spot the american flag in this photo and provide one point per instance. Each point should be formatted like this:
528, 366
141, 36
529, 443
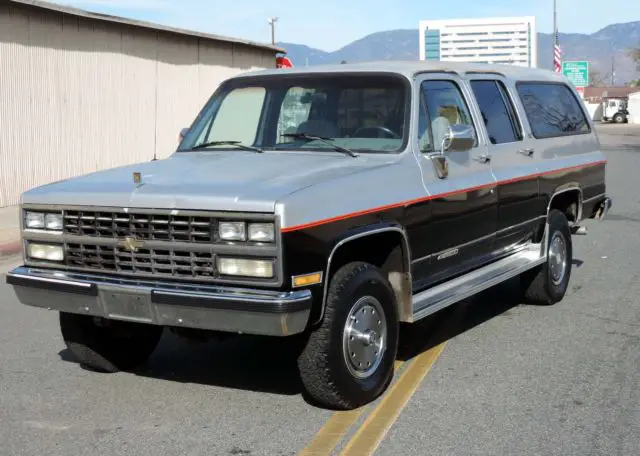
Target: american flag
557, 63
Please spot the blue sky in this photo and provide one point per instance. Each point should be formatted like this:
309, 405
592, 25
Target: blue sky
331, 24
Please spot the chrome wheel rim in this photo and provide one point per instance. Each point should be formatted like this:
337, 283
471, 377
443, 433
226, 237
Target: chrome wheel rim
557, 258
364, 337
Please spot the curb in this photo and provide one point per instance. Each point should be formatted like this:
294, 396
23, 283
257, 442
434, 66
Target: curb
10, 248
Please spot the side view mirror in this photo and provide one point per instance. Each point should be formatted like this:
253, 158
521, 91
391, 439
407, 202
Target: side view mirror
460, 137
183, 133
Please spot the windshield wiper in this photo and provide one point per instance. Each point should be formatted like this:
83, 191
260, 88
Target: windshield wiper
226, 143
321, 138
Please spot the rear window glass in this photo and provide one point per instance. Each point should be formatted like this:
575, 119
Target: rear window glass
552, 110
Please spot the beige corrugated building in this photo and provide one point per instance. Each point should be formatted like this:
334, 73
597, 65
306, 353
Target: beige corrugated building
81, 92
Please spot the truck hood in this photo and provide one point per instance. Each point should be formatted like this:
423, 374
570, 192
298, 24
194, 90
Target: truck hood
213, 180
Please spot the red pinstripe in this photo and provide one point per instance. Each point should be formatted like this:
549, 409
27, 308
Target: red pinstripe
432, 197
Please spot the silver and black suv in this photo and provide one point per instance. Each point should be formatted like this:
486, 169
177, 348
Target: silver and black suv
333, 202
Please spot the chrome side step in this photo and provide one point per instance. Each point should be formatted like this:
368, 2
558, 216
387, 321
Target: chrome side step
437, 298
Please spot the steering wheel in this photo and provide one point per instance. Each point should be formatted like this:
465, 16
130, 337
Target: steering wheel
385, 130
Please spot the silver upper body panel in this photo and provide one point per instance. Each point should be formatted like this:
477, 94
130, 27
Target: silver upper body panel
225, 180
412, 68
298, 185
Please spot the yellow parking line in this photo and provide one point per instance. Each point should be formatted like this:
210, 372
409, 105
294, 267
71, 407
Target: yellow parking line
334, 429
374, 429
330, 434
370, 434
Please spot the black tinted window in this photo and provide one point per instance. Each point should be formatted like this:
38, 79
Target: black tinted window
497, 114
552, 110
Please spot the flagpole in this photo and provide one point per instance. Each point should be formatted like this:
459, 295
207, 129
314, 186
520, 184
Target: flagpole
555, 31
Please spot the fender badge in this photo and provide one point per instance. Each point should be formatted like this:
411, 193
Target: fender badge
137, 178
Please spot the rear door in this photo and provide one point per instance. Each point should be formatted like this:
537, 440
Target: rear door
513, 161
463, 200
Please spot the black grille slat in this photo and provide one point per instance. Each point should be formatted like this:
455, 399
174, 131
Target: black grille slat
177, 228
161, 262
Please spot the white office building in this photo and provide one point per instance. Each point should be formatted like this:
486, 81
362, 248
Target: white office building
505, 40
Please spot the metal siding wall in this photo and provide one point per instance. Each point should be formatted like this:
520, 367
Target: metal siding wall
78, 96
14, 102
177, 92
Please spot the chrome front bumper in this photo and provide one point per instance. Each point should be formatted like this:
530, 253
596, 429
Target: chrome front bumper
237, 310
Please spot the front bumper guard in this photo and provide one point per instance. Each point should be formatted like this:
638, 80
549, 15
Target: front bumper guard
249, 311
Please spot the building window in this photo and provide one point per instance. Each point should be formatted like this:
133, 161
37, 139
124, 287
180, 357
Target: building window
432, 44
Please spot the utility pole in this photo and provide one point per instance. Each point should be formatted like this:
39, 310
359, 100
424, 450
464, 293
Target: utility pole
272, 22
613, 70
555, 32
555, 51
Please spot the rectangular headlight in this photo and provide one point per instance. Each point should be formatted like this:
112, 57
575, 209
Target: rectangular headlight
43, 220
45, 252
261, 232
245, 267
34, 220
53, 222
232, 231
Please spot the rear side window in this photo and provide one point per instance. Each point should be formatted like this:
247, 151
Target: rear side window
497, 111
552, 110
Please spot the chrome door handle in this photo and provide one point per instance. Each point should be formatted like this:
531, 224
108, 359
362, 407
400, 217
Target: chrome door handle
527, 152
482, 158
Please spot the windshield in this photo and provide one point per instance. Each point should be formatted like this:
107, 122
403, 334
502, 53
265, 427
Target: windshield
364, 113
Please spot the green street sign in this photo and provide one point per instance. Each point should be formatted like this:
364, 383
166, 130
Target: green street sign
577, 72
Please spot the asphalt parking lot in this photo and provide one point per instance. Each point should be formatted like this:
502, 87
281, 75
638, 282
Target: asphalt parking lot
490, 376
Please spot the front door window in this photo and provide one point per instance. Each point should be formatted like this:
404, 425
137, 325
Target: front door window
441, 105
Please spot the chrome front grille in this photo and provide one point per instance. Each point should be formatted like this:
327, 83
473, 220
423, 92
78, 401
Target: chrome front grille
153, 243
157, 262
148, 227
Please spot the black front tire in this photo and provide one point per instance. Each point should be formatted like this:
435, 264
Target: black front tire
327, 375
108, 345
547, 284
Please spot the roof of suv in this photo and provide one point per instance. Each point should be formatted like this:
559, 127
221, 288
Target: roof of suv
410, 68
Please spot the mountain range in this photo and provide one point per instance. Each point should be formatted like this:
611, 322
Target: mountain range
604, 49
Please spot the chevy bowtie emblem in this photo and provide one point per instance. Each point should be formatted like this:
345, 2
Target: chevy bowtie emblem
137, 178
131, 244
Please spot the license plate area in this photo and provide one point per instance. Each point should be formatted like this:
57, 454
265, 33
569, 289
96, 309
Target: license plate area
127, 305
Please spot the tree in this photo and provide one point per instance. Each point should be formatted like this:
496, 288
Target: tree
634, 53
596, 78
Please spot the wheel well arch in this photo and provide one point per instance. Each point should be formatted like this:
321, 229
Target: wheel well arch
567, 200
385, 247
